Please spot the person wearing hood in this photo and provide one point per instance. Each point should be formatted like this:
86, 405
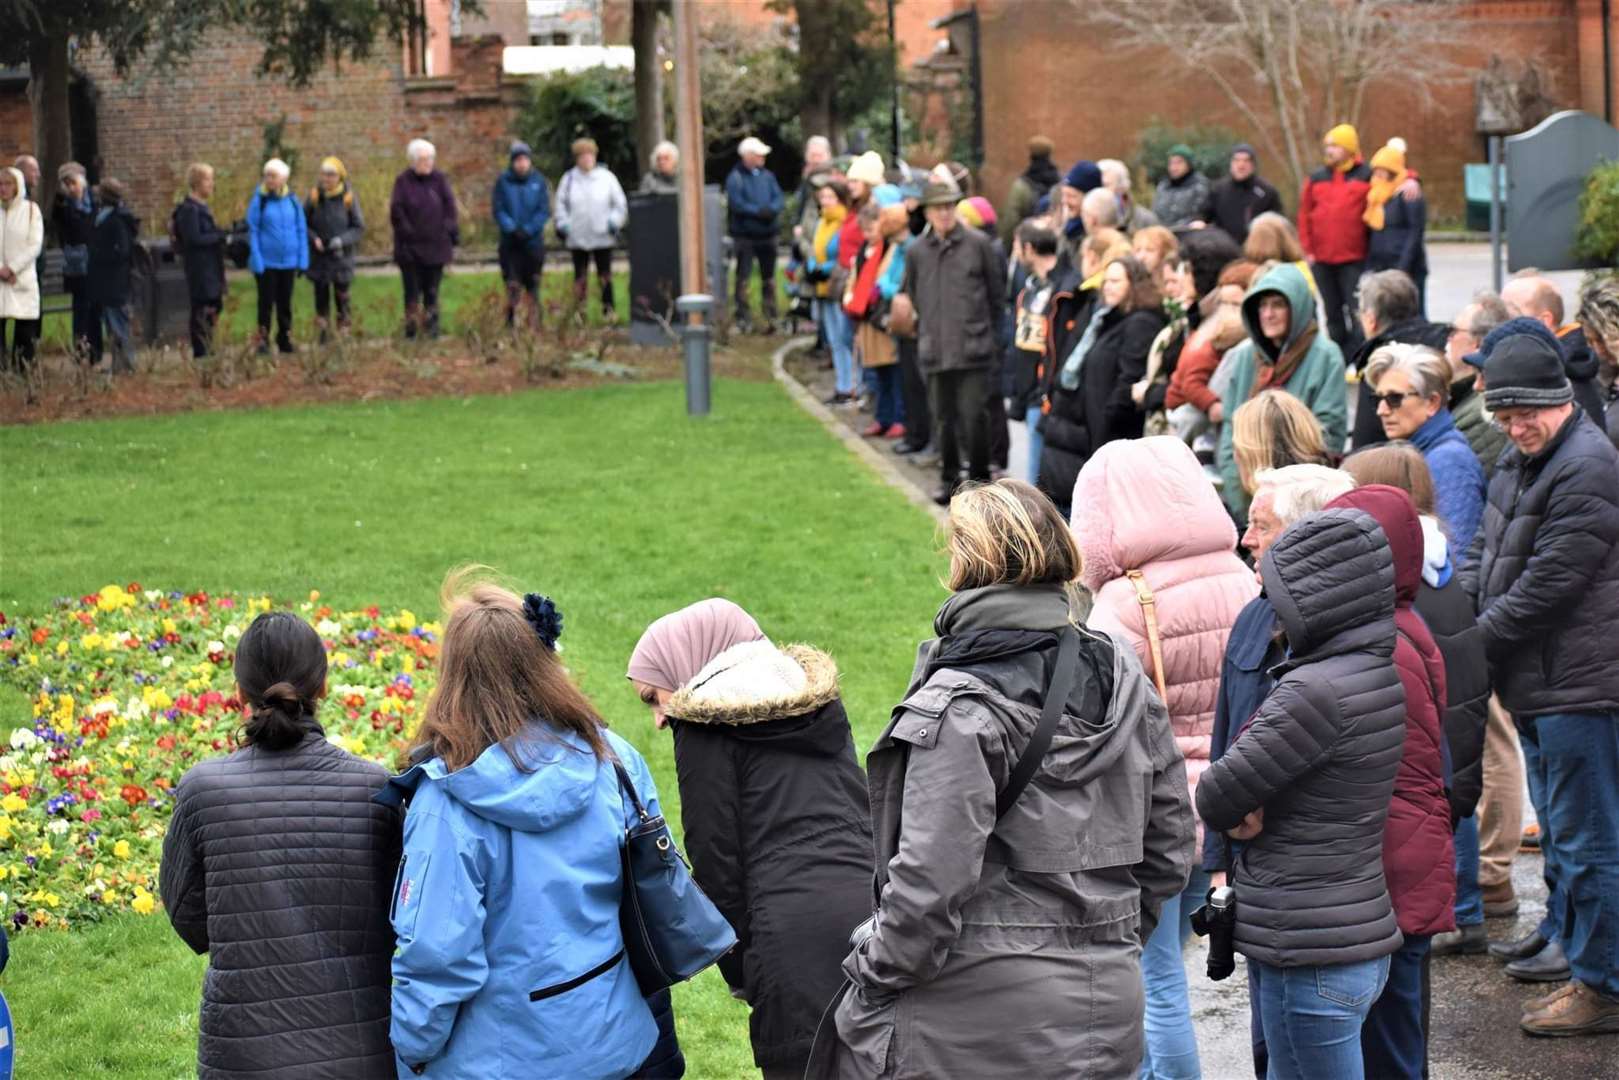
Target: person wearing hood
1544, 572
510, 959
773, 808
426, 231
1173, 595
279, 238
521, 205
1306, 787
1599, 319
22, 237
591, 211
1240, 196
73, 217
1447, 611
1090, 403
663, 171
1398, 224
1390, 313
1183, 191
1031, 818
1419, 860
335, 228
1286, 350
112, 262
753, 206
1532, 295
1031, 185
277, 864
1332, 229
1467, 333
201, 247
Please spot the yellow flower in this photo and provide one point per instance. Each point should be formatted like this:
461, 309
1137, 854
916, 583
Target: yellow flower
13, 803
5, 872
169, 626
5, 834
33, 660
314, 594
143, 902
121, 849
61, 648
406, 621
90, 641
112, 598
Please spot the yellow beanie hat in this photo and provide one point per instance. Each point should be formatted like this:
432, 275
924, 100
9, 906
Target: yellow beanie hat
1391, 157
1344, 135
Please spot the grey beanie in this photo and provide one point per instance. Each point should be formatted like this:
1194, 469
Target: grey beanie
1523, 371
520, 149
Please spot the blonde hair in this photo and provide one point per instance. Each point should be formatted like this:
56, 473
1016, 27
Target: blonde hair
1272, 238
196, 173
1428, 372
1272, 431
1158, 239
1008, 533
1105, 245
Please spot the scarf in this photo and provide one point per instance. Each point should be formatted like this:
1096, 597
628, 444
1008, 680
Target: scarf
1378, 195
675, 648
1277, 374
1042, 175
317, 193
1069, 376
858, 301
1075, 229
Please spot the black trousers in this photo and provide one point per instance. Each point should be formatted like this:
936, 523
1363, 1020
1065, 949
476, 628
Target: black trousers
960, 401
421, 283
325, 292
204, 317
86, 320
275, 292
1339, 284
751, 249
23, 334
913, 388
603, 258
1000, 436
520, 267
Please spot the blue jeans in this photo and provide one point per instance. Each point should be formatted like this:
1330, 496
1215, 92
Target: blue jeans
1170, 1046
1535, 774
1037, 442
890, 404
1469, 897
1394, 1039
118, 331
1312, 1017
1576, 760
839, 333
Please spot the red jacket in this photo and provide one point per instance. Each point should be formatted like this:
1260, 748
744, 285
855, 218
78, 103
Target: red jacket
851, 238
1331, 209
1418, 857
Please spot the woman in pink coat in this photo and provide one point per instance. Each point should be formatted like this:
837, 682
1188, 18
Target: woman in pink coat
1153, 532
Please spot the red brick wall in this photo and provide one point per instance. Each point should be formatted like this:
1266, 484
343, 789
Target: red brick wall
16, 125
1046, 72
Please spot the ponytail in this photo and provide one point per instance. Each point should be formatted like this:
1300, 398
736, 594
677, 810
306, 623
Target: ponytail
279, 719
281, 672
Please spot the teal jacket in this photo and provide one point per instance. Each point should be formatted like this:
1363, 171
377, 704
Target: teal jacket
1318, 381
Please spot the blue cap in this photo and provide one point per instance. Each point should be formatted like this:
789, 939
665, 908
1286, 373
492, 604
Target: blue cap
887, 195
1084, 176
1523, 324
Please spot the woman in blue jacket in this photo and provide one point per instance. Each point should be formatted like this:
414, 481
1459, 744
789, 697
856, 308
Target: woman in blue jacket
522, 206
279, 242
510, 961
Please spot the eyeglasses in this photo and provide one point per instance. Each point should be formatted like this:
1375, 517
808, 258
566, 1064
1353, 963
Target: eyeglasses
1394, 399
1522, 420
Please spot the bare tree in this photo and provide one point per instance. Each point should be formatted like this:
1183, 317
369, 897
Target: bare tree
1292, 68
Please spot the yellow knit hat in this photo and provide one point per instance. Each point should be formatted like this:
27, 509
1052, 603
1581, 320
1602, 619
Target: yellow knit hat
1344, 136
1391, 157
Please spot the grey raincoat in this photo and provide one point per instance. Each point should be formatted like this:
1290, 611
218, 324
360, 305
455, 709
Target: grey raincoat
1011, 948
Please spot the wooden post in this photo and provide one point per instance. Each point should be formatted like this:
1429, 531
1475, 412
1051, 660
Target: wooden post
689, 137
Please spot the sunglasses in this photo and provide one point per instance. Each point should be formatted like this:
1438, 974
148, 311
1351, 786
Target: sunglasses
1394, 399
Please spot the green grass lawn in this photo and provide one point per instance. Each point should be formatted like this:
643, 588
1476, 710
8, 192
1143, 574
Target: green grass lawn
609, 499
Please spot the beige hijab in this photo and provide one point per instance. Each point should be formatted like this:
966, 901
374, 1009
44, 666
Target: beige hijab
675, 648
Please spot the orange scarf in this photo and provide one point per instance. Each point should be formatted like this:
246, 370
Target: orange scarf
1378, 194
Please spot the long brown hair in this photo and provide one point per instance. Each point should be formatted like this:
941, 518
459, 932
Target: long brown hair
1273, 430
497, 681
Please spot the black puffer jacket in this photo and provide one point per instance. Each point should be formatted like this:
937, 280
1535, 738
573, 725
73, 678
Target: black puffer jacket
1582, 367
778, 830
279, 866
1544, 573
1320, 756
1368, 428
337, 222
1448, 611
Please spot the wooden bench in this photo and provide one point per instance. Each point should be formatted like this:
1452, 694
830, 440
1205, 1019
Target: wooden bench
54, 299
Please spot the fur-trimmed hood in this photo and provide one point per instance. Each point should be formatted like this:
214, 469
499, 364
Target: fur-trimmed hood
756, 682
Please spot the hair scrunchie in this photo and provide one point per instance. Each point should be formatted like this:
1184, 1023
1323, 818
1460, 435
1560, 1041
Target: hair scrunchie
544, 617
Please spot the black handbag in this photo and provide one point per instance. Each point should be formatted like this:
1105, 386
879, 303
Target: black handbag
671, 929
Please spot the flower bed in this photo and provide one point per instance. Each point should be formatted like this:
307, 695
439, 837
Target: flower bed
130, 687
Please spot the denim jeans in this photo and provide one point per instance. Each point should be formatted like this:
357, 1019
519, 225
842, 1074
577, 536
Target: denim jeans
1170, 1044
1037, 442
1535, 774
839, 333
119, 333
1394, 1039
1312, 1017
1576, 758
890, 402
1469, 897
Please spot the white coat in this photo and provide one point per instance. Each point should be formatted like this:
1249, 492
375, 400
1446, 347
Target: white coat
22, 236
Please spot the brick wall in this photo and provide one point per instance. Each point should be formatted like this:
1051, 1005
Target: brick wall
1047, 73
16, 125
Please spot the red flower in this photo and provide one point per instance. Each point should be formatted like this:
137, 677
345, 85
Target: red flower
373, 612
41, 635
133, 794
133, 587
165, 742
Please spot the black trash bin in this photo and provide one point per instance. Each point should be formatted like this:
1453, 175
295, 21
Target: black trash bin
160, 301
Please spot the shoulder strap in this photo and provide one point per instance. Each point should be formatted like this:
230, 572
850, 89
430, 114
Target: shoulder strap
1149, 611
628, 787
1062, 682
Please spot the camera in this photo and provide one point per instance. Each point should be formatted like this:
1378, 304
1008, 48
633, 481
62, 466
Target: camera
1217, 921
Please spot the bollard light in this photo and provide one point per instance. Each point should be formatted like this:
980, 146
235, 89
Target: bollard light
695, 334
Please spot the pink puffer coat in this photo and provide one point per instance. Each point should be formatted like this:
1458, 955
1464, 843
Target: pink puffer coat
1146, 504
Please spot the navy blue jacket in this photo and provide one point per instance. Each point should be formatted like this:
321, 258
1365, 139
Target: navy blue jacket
1245, 681
1398, 244
522, 206
1458, 478
753, 200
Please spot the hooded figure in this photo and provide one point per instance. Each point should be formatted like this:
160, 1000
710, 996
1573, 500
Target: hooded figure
1307, 364
1009, 947
773, 805
22, 235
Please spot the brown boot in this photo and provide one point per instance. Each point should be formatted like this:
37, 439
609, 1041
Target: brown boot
1500, 902
1581, 1012
1544, 1002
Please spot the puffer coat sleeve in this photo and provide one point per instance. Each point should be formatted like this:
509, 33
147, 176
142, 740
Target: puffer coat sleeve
181, 884
1289, 736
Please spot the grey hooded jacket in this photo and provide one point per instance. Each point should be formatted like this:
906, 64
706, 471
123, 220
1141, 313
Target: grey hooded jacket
1320, 755
1012, 948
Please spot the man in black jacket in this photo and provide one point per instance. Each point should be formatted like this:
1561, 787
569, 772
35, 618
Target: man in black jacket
1390, 314
1544, 572
957, 283
1533, 295
1240, 196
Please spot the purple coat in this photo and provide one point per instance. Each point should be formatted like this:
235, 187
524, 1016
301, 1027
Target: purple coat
422, 211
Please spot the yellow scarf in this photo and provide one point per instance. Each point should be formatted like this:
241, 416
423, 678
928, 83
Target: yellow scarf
1381, 192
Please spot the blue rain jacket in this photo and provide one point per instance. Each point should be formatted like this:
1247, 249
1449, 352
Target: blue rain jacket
522, 205
510, 961
278, 237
